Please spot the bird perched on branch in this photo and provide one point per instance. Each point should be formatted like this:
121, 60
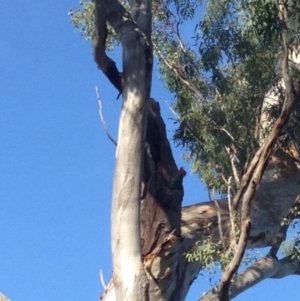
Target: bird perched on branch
176, 181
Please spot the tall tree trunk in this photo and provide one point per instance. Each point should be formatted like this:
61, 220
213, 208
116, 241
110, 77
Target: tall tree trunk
135, 35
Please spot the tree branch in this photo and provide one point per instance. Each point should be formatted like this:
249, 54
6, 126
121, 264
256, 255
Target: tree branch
181, 76
195, 217
233, 159
102, 279
252, 178
104, 63
266, 267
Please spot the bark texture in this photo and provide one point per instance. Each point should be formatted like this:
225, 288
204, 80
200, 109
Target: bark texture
161, 210
134, 83
164, 243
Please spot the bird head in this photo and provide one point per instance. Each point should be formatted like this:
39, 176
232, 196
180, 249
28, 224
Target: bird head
182, 172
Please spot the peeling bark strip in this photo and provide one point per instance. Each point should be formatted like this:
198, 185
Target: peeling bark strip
161, 206
129, 278
161, 211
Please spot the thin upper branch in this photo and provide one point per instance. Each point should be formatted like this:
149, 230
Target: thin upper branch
181, 76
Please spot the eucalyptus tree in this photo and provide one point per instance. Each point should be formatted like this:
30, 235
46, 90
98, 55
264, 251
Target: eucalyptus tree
236, 86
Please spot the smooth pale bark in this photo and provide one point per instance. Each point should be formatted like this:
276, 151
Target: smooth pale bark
3, 298
129, 278
134, 32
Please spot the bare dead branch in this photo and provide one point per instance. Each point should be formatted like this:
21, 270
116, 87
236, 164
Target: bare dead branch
102, 280
172, 111
232, 217
233, 160
219, 217
102, 118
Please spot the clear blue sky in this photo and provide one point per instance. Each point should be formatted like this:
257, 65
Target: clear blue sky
57, 163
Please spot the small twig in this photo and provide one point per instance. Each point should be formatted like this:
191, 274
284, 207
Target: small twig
232, 216
102, 118
172, 110
233, 159
181, 76
224, 178
102, 280
219, 216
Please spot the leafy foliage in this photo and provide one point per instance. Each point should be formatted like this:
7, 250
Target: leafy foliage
206, 251
220, 76
84, 18
292, 248
233, 60
220, 81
